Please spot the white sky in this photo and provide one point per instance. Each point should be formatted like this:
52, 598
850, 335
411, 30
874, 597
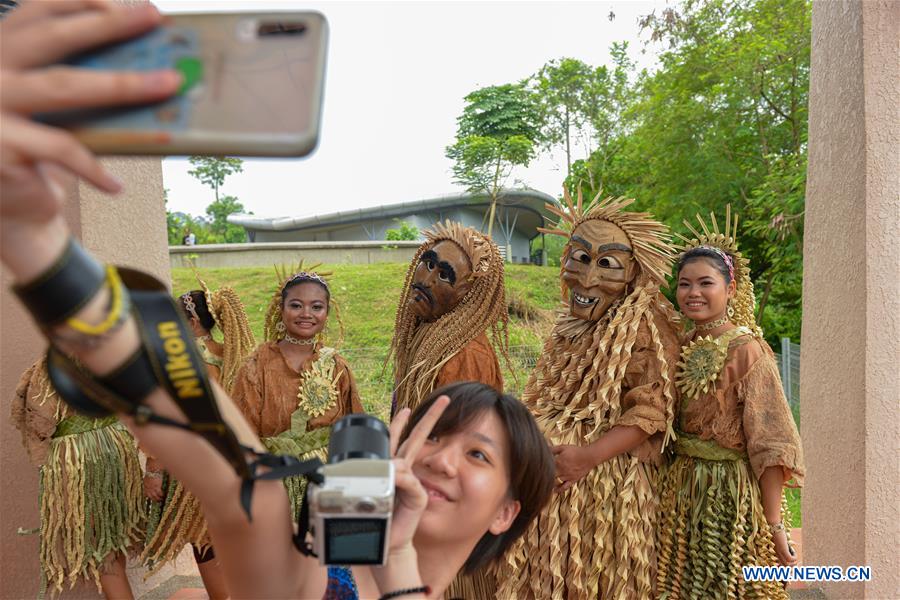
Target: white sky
396, 76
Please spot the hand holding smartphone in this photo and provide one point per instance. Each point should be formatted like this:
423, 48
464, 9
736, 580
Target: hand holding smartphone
253, 85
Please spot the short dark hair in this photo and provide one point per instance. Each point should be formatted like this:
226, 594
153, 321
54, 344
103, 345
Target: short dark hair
714, 259
531, 467
203, 313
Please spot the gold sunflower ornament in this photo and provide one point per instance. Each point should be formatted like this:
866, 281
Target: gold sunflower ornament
318, 386
702, 361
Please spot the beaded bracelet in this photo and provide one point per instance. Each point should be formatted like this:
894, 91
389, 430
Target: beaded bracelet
83, 335
424, 589
116, 304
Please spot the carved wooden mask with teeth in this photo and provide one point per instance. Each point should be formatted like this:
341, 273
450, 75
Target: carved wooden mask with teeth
598, 265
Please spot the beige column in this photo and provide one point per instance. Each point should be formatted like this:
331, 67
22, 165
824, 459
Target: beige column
129, 229
850, 361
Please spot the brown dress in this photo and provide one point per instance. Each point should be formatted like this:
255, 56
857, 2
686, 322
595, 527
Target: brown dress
729, 436
292, 411
476, 361
266, 392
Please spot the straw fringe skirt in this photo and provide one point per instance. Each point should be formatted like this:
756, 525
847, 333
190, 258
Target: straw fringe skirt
171, 525
711, 524
91, 500
596, 540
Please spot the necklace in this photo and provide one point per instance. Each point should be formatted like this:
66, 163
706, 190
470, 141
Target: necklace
298, 342
713, 324
205, 338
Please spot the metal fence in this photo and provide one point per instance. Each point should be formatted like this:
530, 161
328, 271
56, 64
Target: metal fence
789, 369
375, 382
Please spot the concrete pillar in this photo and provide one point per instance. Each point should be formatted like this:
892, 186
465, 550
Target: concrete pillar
850, 357
128, 229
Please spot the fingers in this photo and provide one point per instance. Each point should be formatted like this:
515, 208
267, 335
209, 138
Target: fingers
61, 88
46, 40
396, 428
40, 9
39, 143
556, 450
565, 485
406, 482
410, 448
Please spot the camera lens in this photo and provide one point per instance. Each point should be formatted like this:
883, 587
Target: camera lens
358, 436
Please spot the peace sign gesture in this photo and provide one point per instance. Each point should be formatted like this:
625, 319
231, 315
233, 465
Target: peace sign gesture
411, 498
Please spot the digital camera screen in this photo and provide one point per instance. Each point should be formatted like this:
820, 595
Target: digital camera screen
354, 541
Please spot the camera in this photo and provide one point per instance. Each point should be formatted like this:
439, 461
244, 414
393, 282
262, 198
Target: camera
350, 511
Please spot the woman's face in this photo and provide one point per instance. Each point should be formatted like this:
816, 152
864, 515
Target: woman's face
466, 475
702, 293
304, 311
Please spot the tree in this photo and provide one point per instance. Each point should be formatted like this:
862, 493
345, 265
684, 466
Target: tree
221, 229
404, 231
559, 87
212, 170
724, 120
497, 131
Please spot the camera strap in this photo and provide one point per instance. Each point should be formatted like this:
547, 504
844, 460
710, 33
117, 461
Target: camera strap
300, 542
280, 466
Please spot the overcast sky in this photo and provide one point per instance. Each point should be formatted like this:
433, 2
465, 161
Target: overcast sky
396, 76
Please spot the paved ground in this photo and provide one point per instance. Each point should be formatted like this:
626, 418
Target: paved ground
185, 587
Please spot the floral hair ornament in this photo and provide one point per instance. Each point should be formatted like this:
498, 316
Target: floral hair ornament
189, 305
724, 257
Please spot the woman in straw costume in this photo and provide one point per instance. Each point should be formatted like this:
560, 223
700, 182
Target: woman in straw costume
294, 386
90, 499
737, 446
174, 515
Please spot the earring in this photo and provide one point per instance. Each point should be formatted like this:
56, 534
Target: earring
730, 311
279, 327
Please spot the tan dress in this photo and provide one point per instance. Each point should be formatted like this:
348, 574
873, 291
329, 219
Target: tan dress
292, 411
729, 436
91, 499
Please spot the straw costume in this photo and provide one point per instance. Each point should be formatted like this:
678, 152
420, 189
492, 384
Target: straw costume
292, 411
451, 344
178, 519
608, 362
455, 346
91, 500
734, 422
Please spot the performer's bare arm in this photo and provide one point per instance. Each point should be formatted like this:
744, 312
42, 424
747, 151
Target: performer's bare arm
771, 485
574, 462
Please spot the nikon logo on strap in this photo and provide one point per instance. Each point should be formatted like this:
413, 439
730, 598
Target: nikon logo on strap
178, 362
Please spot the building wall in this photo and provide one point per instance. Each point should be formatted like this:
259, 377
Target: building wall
216, 256
518, 251
850, 350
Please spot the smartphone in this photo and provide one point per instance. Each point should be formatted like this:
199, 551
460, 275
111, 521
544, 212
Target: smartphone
253, 85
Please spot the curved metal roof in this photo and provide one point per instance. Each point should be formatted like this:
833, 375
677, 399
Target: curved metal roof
532, 213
